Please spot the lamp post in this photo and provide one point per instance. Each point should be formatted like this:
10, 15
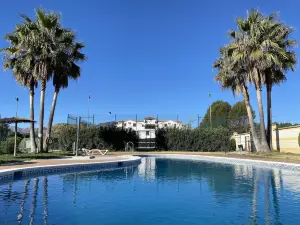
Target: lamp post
16, 127
110, 119
88, 110
209, 96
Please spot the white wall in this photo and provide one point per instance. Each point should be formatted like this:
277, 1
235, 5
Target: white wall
286, 139
142, 131
242, 139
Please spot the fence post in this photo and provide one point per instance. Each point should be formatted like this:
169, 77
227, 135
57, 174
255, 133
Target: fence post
77, 135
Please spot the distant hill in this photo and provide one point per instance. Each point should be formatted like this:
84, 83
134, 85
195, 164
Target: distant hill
25, 130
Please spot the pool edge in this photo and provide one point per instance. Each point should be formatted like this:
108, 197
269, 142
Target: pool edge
11, 174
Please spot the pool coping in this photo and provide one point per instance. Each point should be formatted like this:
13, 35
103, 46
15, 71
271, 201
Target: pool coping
231, 160
12, 174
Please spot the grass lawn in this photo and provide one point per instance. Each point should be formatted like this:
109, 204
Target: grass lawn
21, 157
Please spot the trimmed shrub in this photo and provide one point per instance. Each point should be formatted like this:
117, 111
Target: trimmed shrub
199, 139
95, 137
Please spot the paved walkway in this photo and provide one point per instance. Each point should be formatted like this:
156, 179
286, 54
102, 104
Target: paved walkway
52, 162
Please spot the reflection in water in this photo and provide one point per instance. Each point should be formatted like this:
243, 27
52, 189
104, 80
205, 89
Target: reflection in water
22, 206
237, 194
45, 187
34, 200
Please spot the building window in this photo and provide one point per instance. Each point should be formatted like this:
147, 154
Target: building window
134, 124
174, 125
147, 133
129, 123
125, 124
166, 125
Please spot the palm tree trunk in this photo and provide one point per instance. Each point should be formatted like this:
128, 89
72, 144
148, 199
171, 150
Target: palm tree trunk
250, 116
263, 138
269, 112
32, 132
49, 127
41, 119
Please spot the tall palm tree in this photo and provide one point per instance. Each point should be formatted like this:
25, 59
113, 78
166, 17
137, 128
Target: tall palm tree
41, 41
246, 45
268, 58
276, 74
64, 68
232, 75
20, 62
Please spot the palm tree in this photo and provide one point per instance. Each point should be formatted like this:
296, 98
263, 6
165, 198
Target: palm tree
276, 73
64, 68
268, 58
247, 42
232, 75
41, 41
21, 63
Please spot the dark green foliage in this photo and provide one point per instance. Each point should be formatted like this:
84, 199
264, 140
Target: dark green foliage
200, 140
96, 137
299, 139
219, 113
4, 130
281, 125
7, 146
233, 144
238, 118
66, 136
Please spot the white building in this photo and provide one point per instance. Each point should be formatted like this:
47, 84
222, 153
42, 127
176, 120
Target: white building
146, 128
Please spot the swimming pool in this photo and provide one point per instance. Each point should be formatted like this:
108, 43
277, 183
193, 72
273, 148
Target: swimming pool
158, 191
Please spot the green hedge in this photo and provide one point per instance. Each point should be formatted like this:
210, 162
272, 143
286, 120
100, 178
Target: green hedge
7, 146
299, 139
199, 139
95, 137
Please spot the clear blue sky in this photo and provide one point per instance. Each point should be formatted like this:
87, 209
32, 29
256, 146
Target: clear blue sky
147, 57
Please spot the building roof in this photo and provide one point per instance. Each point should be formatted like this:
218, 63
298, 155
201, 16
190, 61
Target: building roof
150, 118
16, 120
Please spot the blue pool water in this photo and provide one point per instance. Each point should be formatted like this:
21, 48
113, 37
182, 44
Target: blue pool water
158, 191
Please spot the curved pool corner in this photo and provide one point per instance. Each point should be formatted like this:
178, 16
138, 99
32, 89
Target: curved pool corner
231, 160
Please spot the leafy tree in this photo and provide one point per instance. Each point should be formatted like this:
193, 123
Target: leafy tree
238, 120
280, 125
4, 130
219, 114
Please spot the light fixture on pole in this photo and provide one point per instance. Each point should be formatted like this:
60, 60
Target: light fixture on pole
89, 110
17, 100
110, 119
209, 95
16, 127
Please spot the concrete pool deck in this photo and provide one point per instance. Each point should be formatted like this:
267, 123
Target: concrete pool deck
62, 161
